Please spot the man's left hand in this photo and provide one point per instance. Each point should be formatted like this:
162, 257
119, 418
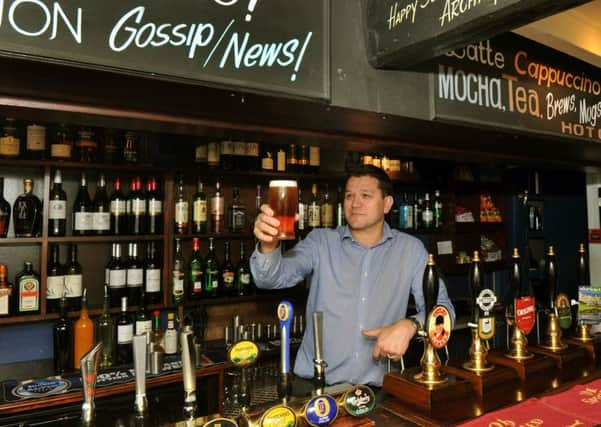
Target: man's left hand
393, 340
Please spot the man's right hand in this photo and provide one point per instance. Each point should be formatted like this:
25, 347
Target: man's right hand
266, 230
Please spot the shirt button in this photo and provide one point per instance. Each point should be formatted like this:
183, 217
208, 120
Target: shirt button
362, 299
356, 355
365, 274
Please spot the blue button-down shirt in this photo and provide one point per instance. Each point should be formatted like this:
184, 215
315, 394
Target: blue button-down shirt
356, 288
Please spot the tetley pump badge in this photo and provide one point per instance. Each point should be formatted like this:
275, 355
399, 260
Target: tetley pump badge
525, 314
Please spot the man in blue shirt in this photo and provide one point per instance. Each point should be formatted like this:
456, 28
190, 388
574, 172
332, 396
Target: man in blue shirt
361, 277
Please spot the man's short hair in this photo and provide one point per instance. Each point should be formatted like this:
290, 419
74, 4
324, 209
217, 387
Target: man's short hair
384, 183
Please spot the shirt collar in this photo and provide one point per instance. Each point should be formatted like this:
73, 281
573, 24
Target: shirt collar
386, 235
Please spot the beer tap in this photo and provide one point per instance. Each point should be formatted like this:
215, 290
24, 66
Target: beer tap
521, 314
552, 339
89, 372
189, 372
319, 364
140, 360
482, 323
285, 316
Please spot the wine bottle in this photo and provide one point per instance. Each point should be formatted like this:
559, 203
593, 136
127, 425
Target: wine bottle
181, 208
243, 284
118, 210
27, 212
83, 217
62, 337
125, 335
6, 292
83, 334
196, 271
327, 210
228, 273
105, 332
143, 320
217, 210
117, 276
313, 210
170, 338
134, 278
155, 208
178, 275
211, 273
73, 280
152, 274
427, 213
437, 210
57, 208
101, 222
10, 144
4, 211
199, 208
339, 214
28, 291
137, 215
55, 281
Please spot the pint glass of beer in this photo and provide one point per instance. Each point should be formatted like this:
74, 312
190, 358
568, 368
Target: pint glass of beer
283, 199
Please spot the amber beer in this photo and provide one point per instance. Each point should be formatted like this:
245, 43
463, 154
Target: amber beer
283, 199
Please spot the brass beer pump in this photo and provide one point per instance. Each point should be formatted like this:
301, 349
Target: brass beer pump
482, 323
552, 340
583, 331
430, 374
518, 344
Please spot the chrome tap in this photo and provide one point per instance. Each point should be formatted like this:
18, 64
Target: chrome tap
319, 364
189, 372
89, 371
140, 403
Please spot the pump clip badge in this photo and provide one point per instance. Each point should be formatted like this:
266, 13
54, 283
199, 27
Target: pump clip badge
321, 411
564, 312
439, 326
525, 314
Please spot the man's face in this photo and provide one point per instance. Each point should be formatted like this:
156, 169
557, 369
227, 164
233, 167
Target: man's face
364, 204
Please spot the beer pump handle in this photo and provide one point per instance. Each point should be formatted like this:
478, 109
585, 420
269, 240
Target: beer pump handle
319, 362
430, 284
516, 274
475, 281
285, 316
89, 371
188, 371
139, 344
551, 277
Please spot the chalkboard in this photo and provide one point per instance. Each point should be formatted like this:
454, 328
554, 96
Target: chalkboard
263, 45
401, 33
513, 83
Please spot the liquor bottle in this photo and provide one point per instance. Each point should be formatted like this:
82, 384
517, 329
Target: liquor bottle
157, 332
10, 145
292, 159
27, 212
303, 159
314, 158
83, 216
57, 208
137, 213
83, 333
130, 147
178, 275
327, 210
170, 337
427, 213
117, 276
281, 160
313, 210
243, 285
252, 156
196, 271
228, 273
134, 276
211, 273
226, 154
237, 213
199, 209
35, 144
410, 218
302, 213
118, 208
201, 153
101, 220
217, 210
27, 295
62, 337
181, 208
111, 152
437, 210
86, 145
143, 320
339, 211
125, 335
582, 267
73, 280
6, 291
55, 281
152, 274
4, 211
403, 211
213, 154
105, 332
155, 208
267, 163
62, 145
417, 212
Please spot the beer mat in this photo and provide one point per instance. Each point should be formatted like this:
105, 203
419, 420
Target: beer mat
532, 412
583, 400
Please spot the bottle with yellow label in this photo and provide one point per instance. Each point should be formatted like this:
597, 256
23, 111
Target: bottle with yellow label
10, 144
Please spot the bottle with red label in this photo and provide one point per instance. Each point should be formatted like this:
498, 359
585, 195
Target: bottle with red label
6, 291
196, 271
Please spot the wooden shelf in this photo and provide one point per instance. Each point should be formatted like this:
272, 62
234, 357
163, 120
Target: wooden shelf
21, 241
107, 238
224, 235
21, 163
294, 292
475, 227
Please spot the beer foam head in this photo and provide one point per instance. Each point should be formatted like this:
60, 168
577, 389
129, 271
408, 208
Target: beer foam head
282, 183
